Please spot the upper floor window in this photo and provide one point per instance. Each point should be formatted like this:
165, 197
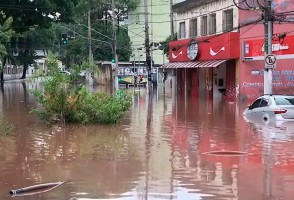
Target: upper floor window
204, 25
212, 23
182, 30
228, 20
193, 27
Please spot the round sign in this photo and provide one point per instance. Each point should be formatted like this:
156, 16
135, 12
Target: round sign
270, 59
192, 50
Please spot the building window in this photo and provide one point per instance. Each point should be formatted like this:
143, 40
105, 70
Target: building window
228, 20
182, 30
212, 23
204, 25
193, 27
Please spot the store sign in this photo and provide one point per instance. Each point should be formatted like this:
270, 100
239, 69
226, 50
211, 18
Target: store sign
222, 46
254, 49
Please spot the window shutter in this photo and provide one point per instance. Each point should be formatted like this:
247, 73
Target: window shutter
224, 21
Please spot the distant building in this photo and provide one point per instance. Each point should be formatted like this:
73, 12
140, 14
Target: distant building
159, 29
36, 68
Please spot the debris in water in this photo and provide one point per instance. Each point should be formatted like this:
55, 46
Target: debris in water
225, 153
31, 190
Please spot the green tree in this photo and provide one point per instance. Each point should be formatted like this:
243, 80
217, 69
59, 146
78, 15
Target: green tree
26, 14
165, 43
102, 30
63, 100
5, 36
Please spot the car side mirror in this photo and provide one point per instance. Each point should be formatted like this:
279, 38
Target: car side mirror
250, 106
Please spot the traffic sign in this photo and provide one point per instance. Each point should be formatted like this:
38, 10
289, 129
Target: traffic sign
270, 61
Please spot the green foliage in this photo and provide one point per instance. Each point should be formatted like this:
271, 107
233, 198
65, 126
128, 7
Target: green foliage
5, 127
166, 42
28, 13
63, 100
99, 108
124, 45
52, 62
5, 34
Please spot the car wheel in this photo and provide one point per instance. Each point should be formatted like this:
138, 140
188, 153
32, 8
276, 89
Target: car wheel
266, 118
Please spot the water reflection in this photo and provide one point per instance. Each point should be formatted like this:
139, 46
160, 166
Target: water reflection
156, 152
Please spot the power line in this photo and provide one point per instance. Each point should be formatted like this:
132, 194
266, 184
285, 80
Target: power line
153, 5
218, 34
95, 31
182, 19
87, 38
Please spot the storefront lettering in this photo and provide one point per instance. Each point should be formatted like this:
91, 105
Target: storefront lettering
286, 72
290, 78
279, 84
279, 74
289, 84
257, 84
277, 78
254, 84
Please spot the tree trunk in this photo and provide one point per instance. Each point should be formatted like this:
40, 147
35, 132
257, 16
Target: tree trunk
2, 71
24, 71
2, 76
25, 65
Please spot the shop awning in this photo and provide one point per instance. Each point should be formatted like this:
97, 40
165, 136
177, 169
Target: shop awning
195, 64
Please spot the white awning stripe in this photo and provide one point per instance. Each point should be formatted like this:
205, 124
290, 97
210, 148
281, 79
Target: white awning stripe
195, 64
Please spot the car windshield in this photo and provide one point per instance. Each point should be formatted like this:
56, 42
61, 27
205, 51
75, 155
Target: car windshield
284, 101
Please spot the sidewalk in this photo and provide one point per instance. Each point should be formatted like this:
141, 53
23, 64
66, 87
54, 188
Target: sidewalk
12, 77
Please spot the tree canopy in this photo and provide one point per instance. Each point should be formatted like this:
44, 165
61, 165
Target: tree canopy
41, 23
28, 13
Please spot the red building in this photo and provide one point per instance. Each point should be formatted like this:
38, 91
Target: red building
230, 65
205, 65
252, 53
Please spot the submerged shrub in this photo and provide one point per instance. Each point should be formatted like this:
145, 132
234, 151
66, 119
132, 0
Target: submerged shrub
62, 99
98, 108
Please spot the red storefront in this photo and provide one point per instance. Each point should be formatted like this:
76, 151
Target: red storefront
206, 65
252, 67
252, 64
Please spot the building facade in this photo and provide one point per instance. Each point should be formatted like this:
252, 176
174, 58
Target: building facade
219, 52
205, 56
252, 62
158, 13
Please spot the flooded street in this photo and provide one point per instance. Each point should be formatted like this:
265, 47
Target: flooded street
155, 152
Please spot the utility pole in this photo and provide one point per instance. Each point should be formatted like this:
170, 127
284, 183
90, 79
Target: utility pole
268, 29
90, 37
174, 71
147, 45
171, 19
115, 70
268, 89
91, 77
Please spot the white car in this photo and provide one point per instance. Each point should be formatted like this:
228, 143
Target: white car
65, 72
270, 108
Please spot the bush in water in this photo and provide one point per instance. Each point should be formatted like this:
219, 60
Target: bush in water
61, 99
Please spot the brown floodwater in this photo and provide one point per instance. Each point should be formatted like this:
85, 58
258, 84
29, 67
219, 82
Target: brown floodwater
164, 148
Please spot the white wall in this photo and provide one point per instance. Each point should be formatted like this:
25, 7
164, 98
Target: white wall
216, 7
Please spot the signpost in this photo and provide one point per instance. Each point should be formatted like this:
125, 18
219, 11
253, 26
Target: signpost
270, 61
